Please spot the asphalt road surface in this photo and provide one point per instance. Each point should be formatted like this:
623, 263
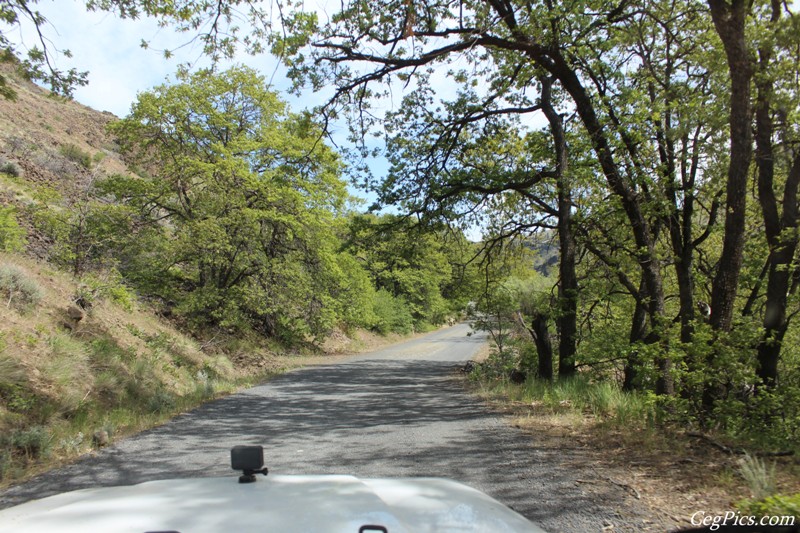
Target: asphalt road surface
401, 411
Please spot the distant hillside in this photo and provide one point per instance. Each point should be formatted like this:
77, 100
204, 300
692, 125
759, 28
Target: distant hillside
44, 134
545, 248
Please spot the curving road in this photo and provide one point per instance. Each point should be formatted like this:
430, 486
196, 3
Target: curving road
400, 411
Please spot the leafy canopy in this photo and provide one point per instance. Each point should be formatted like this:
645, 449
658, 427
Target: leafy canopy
245, 196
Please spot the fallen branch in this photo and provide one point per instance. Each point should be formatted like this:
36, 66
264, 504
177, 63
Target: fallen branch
712, 442
629, 488
731, 451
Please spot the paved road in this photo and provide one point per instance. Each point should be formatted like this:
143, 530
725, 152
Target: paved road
401, 411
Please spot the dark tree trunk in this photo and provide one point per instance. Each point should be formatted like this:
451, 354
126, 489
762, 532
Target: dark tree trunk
781, 235
544, 348
680, 221
551, 58
638, 334
781, 228
630, 200
566, 321
729, 21
643, 236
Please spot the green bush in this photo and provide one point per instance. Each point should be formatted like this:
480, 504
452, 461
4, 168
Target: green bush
392, 314
6, 463
776, 505
12, 236
109, 285
11, 169
162, 401
33, 442
76, 155
18, 289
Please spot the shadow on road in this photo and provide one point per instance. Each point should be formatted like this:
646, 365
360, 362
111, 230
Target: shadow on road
370, 418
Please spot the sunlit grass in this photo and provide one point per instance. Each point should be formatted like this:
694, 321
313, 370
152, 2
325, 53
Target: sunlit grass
605, 402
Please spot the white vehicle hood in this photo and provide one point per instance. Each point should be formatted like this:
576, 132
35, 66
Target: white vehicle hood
283, 504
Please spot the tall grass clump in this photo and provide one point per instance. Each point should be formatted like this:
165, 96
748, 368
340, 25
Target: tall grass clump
759, 476
12, 373
17, 289
67, 368
604, 401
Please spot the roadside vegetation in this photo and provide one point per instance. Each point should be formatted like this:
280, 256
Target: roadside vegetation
81, 365
642, 441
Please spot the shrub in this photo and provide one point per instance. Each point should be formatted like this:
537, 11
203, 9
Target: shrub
72, 444
33, 442
6, 464
776, 505
76, 155
18, 145
392, 314
496, 367
18, 289
11, 169
12, 236
162, 401
108, 285
204, 386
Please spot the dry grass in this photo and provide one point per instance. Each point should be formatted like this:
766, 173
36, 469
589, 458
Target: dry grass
671, 472
64, 377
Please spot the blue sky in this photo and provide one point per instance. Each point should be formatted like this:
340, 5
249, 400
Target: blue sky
110, 49
119, 68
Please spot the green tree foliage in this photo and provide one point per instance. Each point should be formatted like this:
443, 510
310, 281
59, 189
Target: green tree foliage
676, 172
425, 272
237, 201
85, 231
666, 95
392, 314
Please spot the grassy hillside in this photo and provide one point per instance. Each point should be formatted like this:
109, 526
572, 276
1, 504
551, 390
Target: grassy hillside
75, 376
48, 138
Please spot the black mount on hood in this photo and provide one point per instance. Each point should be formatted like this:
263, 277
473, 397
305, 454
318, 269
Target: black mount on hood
250, 460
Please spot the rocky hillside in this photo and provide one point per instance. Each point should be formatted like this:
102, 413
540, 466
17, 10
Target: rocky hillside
47, 137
